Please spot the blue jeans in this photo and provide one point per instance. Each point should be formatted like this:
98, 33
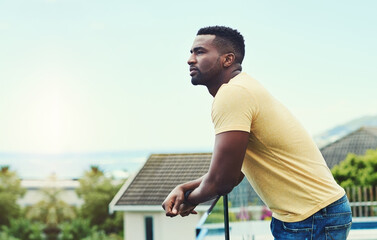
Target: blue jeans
330, 223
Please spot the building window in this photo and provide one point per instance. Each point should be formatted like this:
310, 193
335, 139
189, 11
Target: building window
148, 228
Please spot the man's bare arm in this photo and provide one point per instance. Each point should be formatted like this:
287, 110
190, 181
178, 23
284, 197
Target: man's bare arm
225, 169
192, 184
240, 178
176, 197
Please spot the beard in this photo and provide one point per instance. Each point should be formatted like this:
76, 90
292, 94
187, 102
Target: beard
197, 79
210, 73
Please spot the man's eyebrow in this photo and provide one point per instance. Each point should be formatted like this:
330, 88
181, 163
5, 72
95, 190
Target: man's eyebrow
197, 49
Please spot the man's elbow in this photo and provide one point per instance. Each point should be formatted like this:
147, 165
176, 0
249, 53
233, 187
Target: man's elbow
225, 188
219, 185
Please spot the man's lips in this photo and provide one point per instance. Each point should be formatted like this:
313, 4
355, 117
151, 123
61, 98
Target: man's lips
193, 71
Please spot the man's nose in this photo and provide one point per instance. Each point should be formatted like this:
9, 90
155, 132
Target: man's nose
191, 59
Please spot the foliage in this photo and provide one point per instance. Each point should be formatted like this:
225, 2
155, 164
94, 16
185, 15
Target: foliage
5, 236
52, 217
114, 224
51, 210
80, 229
357, 170
76, 229
24, 229
102, 236
217, 214
10, 191
97, 191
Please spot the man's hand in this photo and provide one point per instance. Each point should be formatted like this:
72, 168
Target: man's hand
186, 209
225, 168
173, 201
174, 204
176, 197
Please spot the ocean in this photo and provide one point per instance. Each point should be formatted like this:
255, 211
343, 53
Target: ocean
119, 164
73, 165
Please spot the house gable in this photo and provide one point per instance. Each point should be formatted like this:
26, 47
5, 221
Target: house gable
356, 142
159, 175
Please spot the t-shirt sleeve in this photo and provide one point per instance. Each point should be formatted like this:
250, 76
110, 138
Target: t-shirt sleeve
233, 109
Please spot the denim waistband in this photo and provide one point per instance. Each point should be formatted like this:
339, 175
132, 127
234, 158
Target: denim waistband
324, 211
340, 201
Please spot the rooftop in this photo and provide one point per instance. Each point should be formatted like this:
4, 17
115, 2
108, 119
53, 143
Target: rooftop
356, 142
160, 174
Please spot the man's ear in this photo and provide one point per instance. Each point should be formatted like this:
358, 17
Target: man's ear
229, 59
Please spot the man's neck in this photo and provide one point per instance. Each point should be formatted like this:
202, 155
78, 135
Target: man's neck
225, 78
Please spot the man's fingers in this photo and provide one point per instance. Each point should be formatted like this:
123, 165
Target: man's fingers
194, 212
167, 205
177, 203
184, 214
173, 202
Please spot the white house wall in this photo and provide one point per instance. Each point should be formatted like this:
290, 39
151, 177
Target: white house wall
133, 226
164, 228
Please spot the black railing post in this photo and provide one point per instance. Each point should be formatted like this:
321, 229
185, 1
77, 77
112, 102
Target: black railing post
226, 217
199, 229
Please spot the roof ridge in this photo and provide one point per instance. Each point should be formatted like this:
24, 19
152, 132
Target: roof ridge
340, 139
159, 175
369, 129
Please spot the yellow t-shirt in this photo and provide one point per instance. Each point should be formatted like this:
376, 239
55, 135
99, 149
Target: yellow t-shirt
282, 162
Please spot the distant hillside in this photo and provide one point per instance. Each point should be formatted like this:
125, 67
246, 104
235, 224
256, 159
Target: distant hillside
337, 132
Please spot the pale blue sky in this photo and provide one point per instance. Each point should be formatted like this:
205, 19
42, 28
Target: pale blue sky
86, 75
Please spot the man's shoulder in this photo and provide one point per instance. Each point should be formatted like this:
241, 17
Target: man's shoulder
235, 91
241, 82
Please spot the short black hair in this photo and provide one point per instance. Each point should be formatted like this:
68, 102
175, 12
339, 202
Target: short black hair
227, 39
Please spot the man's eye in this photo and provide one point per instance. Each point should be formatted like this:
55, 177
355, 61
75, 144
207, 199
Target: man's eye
199, 52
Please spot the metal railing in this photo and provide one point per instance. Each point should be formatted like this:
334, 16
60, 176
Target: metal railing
202, 232
362, 227
363, 200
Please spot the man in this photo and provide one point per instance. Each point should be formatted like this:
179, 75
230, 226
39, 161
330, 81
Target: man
258, 137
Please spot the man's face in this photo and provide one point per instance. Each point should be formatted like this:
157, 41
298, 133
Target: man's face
205, 64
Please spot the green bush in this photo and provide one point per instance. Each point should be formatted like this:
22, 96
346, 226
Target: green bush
357, 170
97, 191
24, 229
101, 235
10, 191
76, 229
217, 214
5, 236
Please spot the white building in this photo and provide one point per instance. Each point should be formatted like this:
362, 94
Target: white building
34, 194
140, 198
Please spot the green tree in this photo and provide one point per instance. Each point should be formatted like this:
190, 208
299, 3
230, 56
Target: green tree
100, 235
76, 229
6, 236
10, 191
51, 211
357, 170
24, 229
97, 191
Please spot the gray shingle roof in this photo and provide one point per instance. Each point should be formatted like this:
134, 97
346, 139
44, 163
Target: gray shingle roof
356, 142
160, 174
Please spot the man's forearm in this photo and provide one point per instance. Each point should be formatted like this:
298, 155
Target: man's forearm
192, 184
207, 190
225, 169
